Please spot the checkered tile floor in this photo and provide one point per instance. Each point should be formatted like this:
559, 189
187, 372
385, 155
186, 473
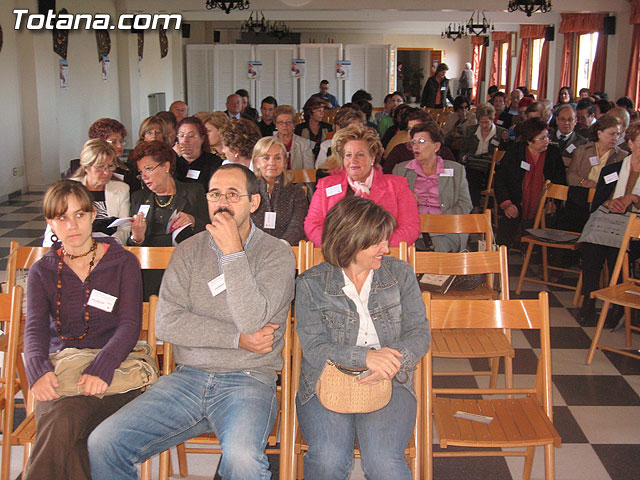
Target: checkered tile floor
596, 408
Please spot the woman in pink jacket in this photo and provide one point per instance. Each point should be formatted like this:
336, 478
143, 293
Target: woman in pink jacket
356, 155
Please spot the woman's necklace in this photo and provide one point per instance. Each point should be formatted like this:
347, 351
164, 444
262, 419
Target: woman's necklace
94, 249
162, 205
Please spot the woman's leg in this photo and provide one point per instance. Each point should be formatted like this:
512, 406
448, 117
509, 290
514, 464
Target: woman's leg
331, 438
508, 230
383, 436
60, 447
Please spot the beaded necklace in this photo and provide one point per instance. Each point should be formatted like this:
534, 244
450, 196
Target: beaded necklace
94, 248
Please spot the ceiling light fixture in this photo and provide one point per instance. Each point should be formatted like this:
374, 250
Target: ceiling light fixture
455, 31
530, 6
479, 28
227, 5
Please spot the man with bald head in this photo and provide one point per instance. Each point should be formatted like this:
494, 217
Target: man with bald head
179, 109
234, 107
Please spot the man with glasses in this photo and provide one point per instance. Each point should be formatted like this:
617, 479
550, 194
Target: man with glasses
223, 303
324, 94
234, 107
565, 137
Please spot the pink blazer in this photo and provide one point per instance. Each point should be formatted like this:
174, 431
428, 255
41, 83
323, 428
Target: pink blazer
389, 191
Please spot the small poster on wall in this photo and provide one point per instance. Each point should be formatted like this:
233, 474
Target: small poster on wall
297, 68
104, 61
253, 71
64, 73
343, 69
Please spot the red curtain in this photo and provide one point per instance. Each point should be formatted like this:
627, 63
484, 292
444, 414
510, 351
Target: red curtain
596, 83
565, 70
477, 66
482, 72
634, 17
581, 22
633, 74
521, 69
543, 73
499, 38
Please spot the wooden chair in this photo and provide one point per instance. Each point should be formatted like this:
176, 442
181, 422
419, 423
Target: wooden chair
551, 192
11, 308
299, 118
329, 115
303, 176
298, 446
618, 294
517, 422
489, 194
471, 343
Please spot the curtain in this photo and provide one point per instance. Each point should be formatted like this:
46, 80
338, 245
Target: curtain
499, 38
477, 66
634, 17
493, 76
543, 73
521, 69
565, 70
633, 74
581, 22
482, 71
596, 83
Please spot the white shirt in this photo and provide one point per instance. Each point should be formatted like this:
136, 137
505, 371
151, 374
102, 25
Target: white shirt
367, 335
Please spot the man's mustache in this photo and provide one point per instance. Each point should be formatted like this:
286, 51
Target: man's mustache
223, 209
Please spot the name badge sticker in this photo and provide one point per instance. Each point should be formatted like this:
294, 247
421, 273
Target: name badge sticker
144, 209
270, 220
331, 191
495, 142
101, 301
443, 88
217, 285
119, 176
500, 122
195, 174
594, 161
570, 148
612, 177
448, 172
524, 165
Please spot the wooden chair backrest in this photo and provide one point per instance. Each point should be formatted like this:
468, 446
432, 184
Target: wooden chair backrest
329, 115
497, 156
314, 254
467, 263
303, 176
498, 314
470, 223
152, 258
553, 191
22, 258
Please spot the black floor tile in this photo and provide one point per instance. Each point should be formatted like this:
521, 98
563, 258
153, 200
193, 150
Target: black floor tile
24, 233
525, 362
596, 390
561, 337
470, 468
625, 365
567, 426
11, 223
4, 251
35, 243
621, 461
15, 203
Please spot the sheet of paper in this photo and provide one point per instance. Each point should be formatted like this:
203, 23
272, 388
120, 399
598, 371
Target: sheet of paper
118, 222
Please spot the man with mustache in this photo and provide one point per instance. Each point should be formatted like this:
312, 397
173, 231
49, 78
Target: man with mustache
223, 303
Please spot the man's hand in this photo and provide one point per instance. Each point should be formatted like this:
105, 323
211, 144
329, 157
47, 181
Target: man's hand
45, 387
224, 230
260, 341
92, 385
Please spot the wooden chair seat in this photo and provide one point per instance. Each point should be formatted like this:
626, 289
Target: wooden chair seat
516, 422
618, 294
483, 292
470, 343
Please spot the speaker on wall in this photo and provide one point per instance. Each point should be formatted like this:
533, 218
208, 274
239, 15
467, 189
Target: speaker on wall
609, 26
45, 5
216, 36
486, 42
186, 30
549, 34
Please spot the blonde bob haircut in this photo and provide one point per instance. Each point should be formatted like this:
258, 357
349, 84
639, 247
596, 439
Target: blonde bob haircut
56, 200
352, 225
350, 134
95, 152
150, 122
260, 150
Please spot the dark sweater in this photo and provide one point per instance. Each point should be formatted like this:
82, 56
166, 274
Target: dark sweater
206, 164
115, 333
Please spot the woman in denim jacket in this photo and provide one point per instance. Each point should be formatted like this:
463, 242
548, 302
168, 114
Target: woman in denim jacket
360, 309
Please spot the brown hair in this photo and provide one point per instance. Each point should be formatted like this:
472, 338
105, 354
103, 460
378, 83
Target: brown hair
349, 134
345, 116
284, 110
196, 122
604, 122
311, 105
56, 200
104, 127
432, 128
633, 131
532, 127
352, 225
485, 110
159, 151
241, 135
149, 122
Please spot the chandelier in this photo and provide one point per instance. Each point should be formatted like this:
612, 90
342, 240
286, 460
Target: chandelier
255, 25
227, 5
455, 31
478, 28
530, 6
279, 30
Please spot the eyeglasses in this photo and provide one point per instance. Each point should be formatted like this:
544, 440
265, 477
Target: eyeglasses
541, 139
114, 142
146, 171
152, 132
231, 197
189, 135
289, 122
104, 168
419, 141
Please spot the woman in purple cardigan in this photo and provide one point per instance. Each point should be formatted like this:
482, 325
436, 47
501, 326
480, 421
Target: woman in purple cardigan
82, 294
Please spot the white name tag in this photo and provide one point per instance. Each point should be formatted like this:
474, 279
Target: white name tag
119, 176
101, 301
525, 165
217, 285
495, 142
443, 88
500, 122
570, 148
195, 174
144, 209
448, 172
270, 220
612, 177
594, 161
331, 191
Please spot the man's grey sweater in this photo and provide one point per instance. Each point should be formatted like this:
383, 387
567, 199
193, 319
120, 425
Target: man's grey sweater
205, 329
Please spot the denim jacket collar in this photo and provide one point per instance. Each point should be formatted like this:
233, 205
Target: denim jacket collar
382, 278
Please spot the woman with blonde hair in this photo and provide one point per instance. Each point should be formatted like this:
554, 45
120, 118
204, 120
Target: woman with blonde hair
110, 197
216, 123
283, 205
153, 128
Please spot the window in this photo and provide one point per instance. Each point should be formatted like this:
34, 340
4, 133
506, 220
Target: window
534, 63
586, 53
503, 73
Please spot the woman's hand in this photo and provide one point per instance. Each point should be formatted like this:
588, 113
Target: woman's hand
181, 220
45, 387
138, 227
510, 210
620, 204
383, 364
92, 385
588, 184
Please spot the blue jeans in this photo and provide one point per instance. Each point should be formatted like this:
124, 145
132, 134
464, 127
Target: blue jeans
239, 407
382, 438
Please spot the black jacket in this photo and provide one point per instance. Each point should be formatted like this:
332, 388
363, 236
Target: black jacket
430, 91
206, 164
605, 190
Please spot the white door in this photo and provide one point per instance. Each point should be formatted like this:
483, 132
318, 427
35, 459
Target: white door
276, 79
370, 70
321, 61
